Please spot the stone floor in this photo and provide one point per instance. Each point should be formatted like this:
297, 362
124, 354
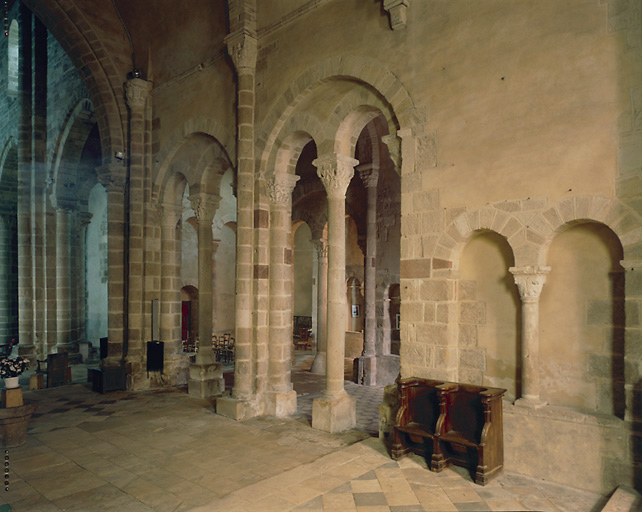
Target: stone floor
162, 450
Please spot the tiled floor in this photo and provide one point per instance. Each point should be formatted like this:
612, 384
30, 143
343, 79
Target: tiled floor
165, 451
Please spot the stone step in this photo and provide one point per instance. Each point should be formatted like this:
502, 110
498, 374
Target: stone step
624, 499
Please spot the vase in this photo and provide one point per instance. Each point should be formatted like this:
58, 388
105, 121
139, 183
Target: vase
11, 382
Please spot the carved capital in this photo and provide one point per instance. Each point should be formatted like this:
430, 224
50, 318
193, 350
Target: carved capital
136, 92
335, 172
280, 187
204, 206
369, 174
170, 215
84, 218
321, 246
397, 11
530, 281
393, 141
242, 47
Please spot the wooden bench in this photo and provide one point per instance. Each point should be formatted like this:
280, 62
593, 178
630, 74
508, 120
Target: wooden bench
451, 423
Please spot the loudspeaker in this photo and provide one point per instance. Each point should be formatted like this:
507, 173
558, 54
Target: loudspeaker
155, 351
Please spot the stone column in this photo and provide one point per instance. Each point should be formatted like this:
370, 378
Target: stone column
83, 220
170, 307
63, 279
206, 375
25, 160
281, 398
335, 410
530, 281
113, 179
6, 290
242, 47
319, 363
367, 362
137, 92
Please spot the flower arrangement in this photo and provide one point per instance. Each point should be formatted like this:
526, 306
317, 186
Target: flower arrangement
13, 367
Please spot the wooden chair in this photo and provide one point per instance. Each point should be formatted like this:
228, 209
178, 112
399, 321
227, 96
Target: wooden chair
57, 369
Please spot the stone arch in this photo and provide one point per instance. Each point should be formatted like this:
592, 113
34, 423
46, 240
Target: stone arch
181, 135
97, 69
298, 131
343, 67
68, 150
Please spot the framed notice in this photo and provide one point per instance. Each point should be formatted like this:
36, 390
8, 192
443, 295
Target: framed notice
355, 310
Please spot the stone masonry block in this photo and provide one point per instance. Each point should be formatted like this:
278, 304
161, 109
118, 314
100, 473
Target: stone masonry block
434, 334
534, 204
500, 220
599, 312
445, 357
437, 290
432, 221
527, 254
413, 353
467, 290
534, 237
632, 237
430, 312
415, 268
428, 246
473, 359
633, 344
453, 213
632, 313
486, 217
447, 313
412, 311
468, 376
566, 207
472, 313
411, 225
511, 227
553, 218
508, 206
473, 220
582, 206
599, 366
634, 284
599, 207
462, 228
468, 335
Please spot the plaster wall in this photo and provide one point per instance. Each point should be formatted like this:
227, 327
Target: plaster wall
96, 266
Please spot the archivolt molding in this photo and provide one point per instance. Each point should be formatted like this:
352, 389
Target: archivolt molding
529, 232
225, 143
296, 133
207, 126
348, 67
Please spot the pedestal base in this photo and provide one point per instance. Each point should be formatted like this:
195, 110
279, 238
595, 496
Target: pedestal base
205, 380
13, 425
236, 409
280, 405
334, 414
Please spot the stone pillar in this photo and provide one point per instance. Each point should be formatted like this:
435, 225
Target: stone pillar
242, 47
6, 290
206, 375
281, 398
319, 363
25, 160
112, 178
177, 363
83, 220
335, 410
137, 92
367, 362
63, 279
530, 281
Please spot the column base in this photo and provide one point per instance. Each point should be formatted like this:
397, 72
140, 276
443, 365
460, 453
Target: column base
334, 414
28, 351
206, 380
318, 365
280, 404
367, 371
236, 409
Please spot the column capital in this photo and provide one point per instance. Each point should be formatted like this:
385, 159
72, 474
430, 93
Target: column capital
321, 246
530, 281
170, 214
84, 218
242, 47
335, 172
204, 206
136, 92
631, 265
369, 174
280, 187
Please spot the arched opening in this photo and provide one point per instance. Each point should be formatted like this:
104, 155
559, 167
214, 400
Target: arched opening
489, 315
582, 343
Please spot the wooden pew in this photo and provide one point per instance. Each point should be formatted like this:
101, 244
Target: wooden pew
451, 423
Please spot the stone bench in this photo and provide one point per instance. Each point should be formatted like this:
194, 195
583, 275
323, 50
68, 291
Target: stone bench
451, 423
